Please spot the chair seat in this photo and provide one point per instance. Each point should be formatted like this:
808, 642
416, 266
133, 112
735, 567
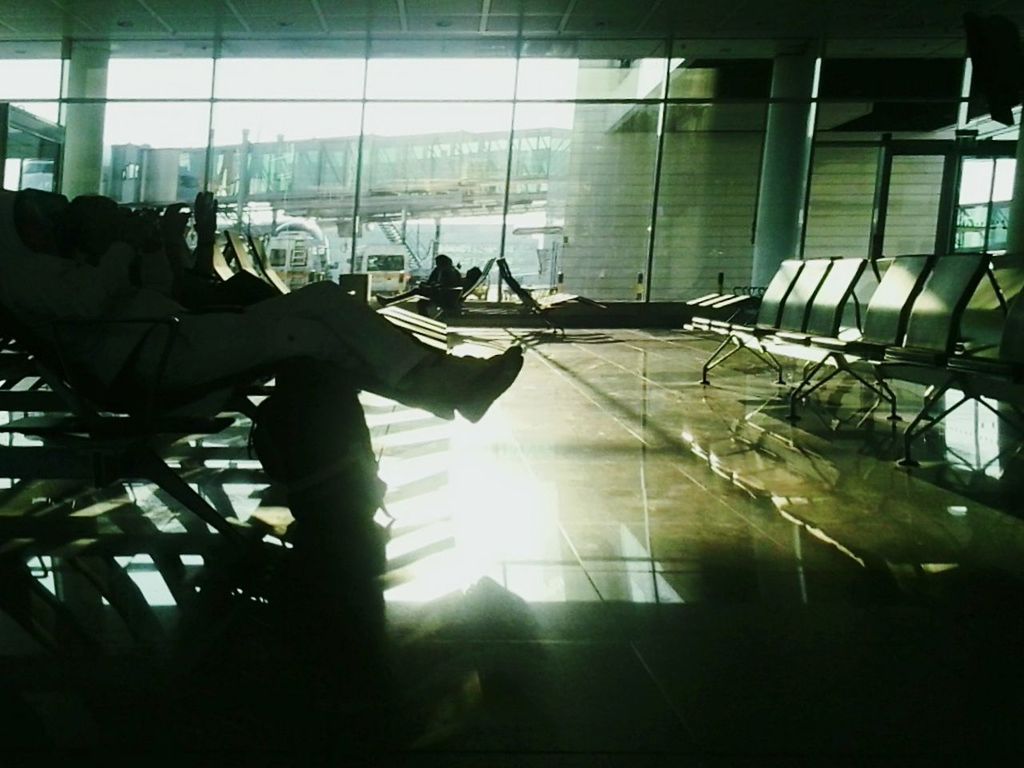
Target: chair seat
866, 350
985, 366
793, 337
921, 355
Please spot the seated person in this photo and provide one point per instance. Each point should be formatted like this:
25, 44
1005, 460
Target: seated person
322, 344
443, 287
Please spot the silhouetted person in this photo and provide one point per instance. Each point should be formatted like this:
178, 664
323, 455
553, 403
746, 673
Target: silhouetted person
443, 287
103, 309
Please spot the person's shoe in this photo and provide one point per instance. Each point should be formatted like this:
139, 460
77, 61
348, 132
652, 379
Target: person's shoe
488, 387
468, 385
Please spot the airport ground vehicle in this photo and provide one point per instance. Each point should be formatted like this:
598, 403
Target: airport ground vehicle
387, 266
299, 253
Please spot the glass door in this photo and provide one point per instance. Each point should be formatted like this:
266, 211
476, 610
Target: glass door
942, 196
31, 148
983, 204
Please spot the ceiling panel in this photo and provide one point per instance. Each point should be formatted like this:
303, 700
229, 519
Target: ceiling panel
443, 23
290, 25
279, 8
444, 7
940, 20
603, 24
535, 6
344, 7
198, 25
531, 24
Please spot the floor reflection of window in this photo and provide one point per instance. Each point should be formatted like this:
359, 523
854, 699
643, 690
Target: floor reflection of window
972, 435
41, 569
141, 570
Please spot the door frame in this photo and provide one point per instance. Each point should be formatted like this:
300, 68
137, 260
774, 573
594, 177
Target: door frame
953, 152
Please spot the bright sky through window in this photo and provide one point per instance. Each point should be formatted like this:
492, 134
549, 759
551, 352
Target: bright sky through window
407, 80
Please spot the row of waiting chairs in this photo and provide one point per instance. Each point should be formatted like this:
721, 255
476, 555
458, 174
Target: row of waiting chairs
950, 322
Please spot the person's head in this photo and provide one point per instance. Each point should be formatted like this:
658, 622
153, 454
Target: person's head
92, 225
39, 219
442, 260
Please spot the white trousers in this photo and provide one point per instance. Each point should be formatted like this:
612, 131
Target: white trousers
319, 321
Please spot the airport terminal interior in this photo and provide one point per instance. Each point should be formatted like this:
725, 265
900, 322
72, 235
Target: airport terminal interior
751, 500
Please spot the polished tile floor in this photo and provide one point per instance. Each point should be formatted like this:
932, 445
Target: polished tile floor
616, 567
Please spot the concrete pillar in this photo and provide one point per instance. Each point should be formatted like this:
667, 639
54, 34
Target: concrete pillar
85, 78
784, 166
1015, 221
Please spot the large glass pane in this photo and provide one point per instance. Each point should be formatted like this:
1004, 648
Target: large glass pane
910, 96
891, 78
24, 76
159, 78
463, 79
707, 198
535, 236
711, 78
986, 188
285, 173
276, 78
29, 79
841, 202
1002, 194
580, 199
433, 181
155, 153
975, 195
33, 150
592, 70
913, 210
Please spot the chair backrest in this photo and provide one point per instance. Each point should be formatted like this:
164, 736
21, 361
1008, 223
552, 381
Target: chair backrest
934, 322
981, 328
1011, 346
241, 251
826, 311
256, 248
471, 285
885, 319
777, 291
805, 288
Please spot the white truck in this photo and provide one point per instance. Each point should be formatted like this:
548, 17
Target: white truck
387, 266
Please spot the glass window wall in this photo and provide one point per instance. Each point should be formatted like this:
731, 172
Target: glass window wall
432, 181
30, 75
586, 163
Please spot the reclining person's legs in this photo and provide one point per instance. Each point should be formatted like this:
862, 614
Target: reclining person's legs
311, 435
321, 322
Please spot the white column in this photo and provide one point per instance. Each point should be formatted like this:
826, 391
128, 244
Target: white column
784, 166
85, 78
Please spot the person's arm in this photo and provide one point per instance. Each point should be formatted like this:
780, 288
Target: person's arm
48, 287
205, 212
172, 225
151, 265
